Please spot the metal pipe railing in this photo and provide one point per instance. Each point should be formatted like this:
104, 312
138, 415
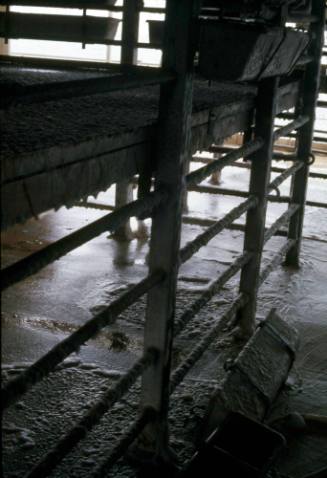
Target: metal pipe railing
243, 194
202, 239
218, 164
212, 290
33, 263
275, 169
286, 174
46, 364
294, 125
281, 221
226, 320
91, 418
232, 192
38, 260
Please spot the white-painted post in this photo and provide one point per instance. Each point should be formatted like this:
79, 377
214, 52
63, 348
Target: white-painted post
172, 153
256, 217
130, 29
310, 89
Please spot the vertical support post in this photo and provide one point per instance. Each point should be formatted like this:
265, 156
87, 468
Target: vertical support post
4, 47
173, 144
130, 31
216, 176
305, 134
248, 133
259, 181
123, 195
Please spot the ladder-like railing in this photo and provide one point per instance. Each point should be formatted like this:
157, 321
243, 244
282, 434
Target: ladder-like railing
164, 206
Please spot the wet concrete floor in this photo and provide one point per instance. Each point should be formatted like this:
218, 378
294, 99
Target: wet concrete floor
42, 310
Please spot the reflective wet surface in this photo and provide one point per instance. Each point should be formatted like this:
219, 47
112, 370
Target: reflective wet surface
45, 308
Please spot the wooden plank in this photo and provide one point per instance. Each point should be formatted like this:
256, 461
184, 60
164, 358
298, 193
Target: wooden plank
173, 150
68, 28
305, 134
259, 181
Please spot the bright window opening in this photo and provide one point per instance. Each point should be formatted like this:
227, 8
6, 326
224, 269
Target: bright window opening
90, 52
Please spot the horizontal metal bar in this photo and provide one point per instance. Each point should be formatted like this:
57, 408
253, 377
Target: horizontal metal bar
223, 191
226, 320
276, 260
91, 418
290, 147
280, 222
286, 199
283, 157
279, 199
235, 226
237, 164
206, 189
316, 138
218, 164
154, 9
202, 159
316, 204
294, 125
320, 139
122, 446
46, 364
241, 227
75, 88
320, 131
150, 46
222, 149
202, 239
198, 221
232, 192
226, 149
36, 261
212, 290
286, 115
244, 194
